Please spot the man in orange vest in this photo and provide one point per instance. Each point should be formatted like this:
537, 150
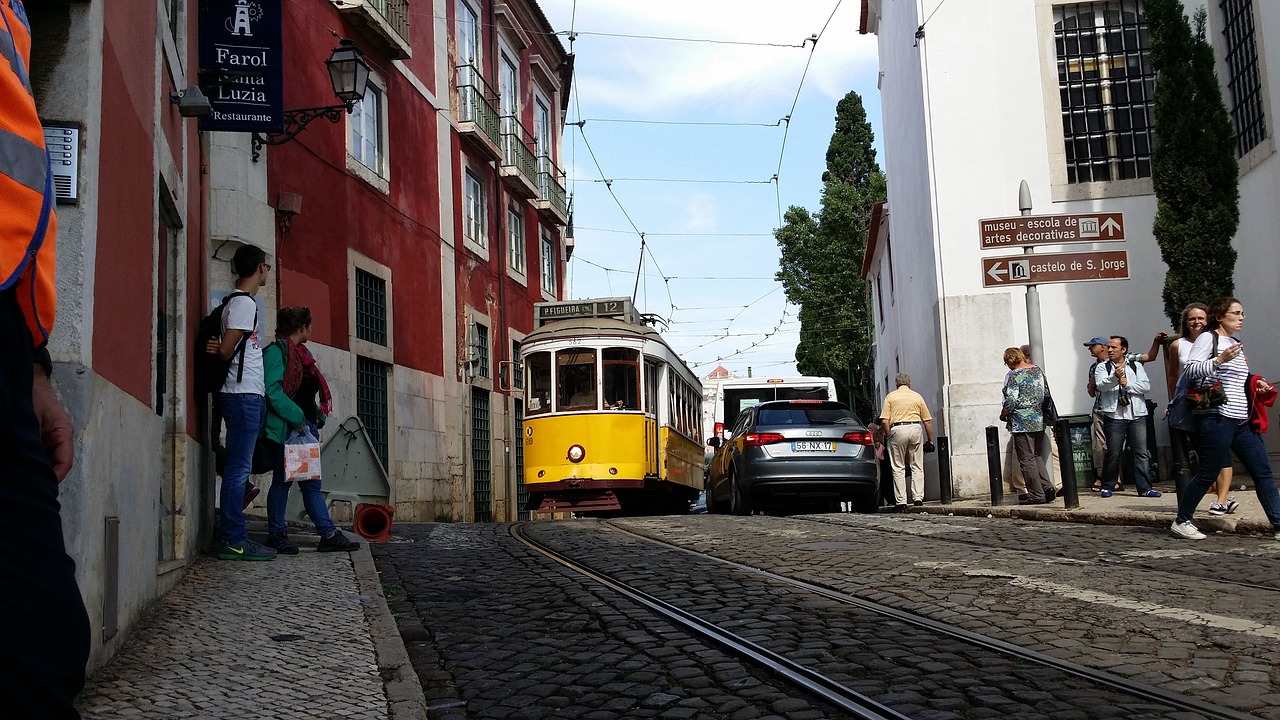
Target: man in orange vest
44, 631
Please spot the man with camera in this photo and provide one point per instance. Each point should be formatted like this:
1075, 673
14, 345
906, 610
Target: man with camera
1122, 385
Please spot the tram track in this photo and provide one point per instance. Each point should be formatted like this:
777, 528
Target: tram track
820, 682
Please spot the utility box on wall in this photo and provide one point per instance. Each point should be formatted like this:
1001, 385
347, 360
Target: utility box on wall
63, 144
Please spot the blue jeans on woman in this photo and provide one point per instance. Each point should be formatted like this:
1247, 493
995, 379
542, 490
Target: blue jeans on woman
1216, 438
244, 414
312, 498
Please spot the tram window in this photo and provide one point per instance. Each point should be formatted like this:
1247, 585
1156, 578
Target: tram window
576, 380
652, 376
538, 374
621, 378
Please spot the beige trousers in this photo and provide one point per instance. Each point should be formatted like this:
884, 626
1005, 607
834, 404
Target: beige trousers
906, 448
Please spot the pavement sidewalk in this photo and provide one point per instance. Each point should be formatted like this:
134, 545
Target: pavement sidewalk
307, 636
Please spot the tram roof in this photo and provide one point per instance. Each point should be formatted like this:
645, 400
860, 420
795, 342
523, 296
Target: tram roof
592, 326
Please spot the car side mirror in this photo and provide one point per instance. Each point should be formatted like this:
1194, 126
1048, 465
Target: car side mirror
715, 442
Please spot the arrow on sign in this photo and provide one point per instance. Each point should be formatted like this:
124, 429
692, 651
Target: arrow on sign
996, 272
1111, 227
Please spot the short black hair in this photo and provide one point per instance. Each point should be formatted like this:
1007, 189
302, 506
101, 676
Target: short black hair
246, 260
1124, 341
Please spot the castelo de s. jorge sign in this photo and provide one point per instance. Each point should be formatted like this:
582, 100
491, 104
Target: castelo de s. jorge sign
241, 65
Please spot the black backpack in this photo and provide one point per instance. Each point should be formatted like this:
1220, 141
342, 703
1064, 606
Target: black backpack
210, 369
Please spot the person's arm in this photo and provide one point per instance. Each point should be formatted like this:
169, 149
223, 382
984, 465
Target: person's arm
280, 402
1171, 369
1139, 380
1104, 379
55, 425
1154, 352
928, 430
241, 313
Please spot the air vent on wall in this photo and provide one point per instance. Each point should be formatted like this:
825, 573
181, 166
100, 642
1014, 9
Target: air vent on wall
63, 143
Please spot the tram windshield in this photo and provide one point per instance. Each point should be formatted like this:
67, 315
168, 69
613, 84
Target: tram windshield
538, 377
576, 379
621, 379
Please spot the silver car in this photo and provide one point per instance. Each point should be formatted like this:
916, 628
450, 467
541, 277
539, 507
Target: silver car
797, 453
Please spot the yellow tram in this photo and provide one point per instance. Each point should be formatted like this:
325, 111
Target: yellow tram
613, 416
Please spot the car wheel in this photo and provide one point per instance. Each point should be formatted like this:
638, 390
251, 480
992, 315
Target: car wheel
739, 501
866, 504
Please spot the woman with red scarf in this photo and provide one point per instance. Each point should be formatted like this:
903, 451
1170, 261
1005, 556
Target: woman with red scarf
293, 382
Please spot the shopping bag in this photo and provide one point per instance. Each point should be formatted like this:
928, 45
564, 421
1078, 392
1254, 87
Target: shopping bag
301, 456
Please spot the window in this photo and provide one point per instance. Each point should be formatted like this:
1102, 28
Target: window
473, 224
481, 461
1106, 83
515, 238
576, 379
371, 403
368, 144
508, 94
482, 350
548, 263
371, 308
621, 378
542, 134
880, 299
522, 493
1245, 81
517, 367
468, 36
888, 251
538, 393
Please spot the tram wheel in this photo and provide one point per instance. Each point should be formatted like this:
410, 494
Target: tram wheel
739, 501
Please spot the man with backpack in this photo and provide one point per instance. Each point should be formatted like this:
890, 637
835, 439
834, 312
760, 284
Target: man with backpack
1122, 385
241, 398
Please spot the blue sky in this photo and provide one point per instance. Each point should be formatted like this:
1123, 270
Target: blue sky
711, 240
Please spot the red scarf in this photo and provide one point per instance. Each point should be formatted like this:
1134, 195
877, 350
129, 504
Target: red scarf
298, 361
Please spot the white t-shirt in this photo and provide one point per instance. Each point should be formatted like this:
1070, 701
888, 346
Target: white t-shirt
239, 314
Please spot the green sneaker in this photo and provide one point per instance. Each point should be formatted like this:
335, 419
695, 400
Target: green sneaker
250, 550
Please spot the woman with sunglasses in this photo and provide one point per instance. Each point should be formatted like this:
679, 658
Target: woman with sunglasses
1226, 428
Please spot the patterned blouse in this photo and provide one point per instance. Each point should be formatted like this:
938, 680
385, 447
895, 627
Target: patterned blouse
1023, 395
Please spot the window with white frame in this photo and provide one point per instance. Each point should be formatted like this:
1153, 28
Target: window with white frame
473, 224
515, 238
1245, 80
368, 141
542, 133
1107, 84
548, 263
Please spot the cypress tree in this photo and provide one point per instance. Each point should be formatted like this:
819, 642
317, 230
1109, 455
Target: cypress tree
1194, 169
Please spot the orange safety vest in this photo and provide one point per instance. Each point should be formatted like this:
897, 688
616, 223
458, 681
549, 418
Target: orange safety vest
28, 225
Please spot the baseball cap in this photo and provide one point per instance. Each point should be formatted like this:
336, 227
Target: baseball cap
1099, 340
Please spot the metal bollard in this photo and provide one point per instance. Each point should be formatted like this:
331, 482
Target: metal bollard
944, 469
1067, 464
993, 465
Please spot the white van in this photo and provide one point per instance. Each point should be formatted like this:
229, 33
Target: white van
734, 395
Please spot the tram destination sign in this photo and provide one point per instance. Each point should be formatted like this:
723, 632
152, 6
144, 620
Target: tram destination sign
619, 307
1023, 231
1055, 268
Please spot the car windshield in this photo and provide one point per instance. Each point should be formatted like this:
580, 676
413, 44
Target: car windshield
800, 415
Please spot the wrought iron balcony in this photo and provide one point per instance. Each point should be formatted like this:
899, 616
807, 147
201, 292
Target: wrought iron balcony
385, 21
552, 199
518, 163
477, 111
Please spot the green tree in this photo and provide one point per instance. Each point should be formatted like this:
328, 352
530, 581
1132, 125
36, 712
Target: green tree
822, 259
1193, 163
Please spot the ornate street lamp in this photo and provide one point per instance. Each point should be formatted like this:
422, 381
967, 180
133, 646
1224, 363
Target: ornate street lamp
349, 75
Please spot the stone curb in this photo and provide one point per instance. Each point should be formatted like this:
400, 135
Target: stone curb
1206, 523
405, 699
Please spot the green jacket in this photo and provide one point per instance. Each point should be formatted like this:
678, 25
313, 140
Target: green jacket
283, 414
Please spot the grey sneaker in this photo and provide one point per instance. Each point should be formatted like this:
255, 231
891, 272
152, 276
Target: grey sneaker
1232, 505
1216, 509
337, 543
250, 550
1186, 531
281, 544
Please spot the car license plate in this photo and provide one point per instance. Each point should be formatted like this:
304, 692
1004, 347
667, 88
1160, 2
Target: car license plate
813, 446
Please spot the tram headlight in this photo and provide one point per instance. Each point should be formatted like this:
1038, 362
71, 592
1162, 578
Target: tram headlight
576, 453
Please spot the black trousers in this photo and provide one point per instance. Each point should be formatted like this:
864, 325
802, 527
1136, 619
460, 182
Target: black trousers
44, 631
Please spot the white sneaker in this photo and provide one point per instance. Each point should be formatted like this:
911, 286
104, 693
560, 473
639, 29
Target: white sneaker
1186, 530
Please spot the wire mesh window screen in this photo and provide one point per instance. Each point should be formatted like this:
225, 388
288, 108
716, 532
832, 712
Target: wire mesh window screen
481, 462
1106, 83
371, 308
482, 350
371, 402
522, 493
1245, 82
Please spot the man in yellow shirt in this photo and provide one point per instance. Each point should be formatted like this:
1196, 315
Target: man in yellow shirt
902, 416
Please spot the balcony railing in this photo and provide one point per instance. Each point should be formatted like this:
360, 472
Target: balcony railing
551, 194
395, 12
477, 103
516, 152
386, 21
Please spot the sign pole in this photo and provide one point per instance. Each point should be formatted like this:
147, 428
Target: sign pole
1035, 337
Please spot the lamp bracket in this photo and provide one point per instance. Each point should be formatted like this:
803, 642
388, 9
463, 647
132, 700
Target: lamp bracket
295, 121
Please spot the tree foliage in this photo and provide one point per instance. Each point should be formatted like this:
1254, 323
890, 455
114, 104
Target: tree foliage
1194, 168
822, 260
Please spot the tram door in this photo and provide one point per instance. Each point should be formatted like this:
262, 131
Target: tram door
652, 375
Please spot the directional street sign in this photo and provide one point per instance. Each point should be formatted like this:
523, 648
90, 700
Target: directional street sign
1055, 268
1022, 231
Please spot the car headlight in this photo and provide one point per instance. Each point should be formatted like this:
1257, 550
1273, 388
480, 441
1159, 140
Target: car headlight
576, 453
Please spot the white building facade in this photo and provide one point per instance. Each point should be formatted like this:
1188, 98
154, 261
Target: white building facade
982, 95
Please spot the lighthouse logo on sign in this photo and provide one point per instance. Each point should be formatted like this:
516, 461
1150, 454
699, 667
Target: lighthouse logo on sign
245, 12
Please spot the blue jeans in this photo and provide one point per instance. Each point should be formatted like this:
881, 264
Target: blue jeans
312, 499
1216, 438
244, 414
1117, 432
